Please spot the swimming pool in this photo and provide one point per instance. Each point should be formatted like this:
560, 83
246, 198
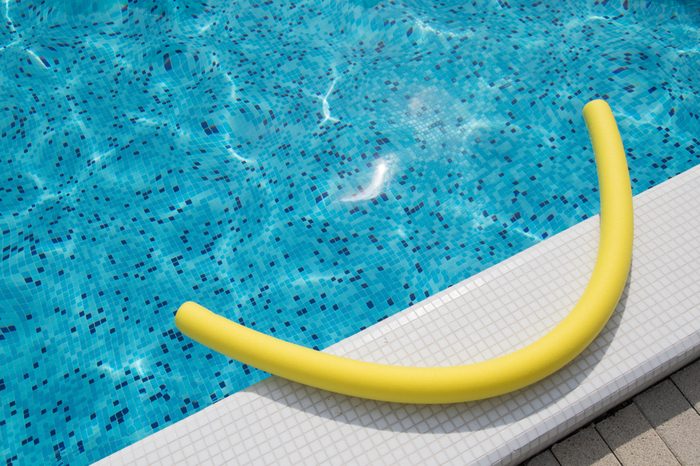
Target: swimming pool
307, 169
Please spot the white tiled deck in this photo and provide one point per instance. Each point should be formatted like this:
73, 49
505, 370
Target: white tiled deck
655, 330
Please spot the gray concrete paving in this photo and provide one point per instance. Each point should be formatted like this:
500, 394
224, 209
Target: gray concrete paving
688, 382
674, 419
658, 427
585, 447
633, 440
546, 458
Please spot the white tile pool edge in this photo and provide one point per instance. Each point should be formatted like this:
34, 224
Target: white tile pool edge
654, 331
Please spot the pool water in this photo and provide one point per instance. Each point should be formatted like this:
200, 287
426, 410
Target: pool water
306, 169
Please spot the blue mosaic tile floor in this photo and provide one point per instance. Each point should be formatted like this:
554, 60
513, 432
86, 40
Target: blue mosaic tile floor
305, 168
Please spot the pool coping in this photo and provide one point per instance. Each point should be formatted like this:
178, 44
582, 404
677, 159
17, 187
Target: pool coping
654, 331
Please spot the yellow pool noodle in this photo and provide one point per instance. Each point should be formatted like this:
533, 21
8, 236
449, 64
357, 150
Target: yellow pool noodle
475, 381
